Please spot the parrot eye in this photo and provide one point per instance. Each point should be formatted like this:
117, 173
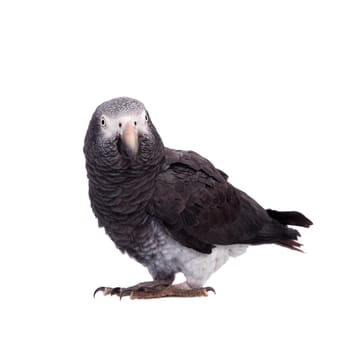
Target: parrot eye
120, 125
146, 117
103, 121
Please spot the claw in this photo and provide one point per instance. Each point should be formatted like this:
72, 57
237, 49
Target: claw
210, 289
118, 291
121, 292
105, 290
99, 289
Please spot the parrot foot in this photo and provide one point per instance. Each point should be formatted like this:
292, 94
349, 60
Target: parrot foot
156, 289
145, 287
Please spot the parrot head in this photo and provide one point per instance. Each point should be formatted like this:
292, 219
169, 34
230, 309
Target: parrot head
122, 128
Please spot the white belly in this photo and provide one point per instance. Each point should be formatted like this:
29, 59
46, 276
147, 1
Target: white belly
198, 267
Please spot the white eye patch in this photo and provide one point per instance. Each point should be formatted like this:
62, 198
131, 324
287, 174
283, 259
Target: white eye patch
114, 125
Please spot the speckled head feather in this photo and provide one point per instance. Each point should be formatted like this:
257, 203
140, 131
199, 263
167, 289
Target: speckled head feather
121, 105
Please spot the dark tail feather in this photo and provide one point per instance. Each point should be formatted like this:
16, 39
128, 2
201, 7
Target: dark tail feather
291, 244
289, 218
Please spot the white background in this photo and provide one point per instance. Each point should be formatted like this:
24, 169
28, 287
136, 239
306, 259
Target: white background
261, 88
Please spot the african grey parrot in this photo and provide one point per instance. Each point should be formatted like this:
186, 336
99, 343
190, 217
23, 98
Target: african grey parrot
171, 210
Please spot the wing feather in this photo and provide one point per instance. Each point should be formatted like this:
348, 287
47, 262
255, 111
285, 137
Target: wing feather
195, 202
199, 208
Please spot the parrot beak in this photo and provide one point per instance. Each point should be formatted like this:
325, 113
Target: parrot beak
130, 142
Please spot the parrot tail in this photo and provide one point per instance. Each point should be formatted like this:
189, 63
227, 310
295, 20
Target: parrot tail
289, 218
291, 244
